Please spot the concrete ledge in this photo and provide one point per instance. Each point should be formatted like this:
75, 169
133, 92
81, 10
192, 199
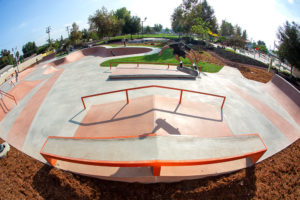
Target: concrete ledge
153, 150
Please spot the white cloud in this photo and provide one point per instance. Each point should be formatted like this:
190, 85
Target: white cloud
156, 11
261, 19
291, 1
22, 25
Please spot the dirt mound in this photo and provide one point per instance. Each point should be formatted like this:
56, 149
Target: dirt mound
49, 57
237, 58
248, 71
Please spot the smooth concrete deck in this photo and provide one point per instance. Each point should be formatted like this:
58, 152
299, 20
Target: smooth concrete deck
123, 71
251, 107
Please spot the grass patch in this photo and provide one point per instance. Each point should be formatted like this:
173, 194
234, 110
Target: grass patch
166, 57
161, 35
132, 44
230, 50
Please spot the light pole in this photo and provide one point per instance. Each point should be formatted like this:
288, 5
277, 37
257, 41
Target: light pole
16, 57
143, 27
48, 30
68, 28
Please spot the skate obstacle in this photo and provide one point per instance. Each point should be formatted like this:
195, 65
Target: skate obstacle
126, 70
154, 151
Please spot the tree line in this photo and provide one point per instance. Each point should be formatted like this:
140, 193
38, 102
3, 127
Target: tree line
189, 18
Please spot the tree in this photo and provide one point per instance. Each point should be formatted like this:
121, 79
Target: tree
167, 30
183, 17
29, 49
260, 42
85, 34
6, 58
105, 23
133, 25
237, 31
124, 17
204, 11
226, 29
75, 35
157, 28
177, 19
289, 44
261, 46
201, 28
244, 35
148, 29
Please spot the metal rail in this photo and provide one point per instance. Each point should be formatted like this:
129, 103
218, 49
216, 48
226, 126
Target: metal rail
151, 86
9, 96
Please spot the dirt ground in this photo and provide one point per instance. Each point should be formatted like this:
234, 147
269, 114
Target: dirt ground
248, 71
275, 178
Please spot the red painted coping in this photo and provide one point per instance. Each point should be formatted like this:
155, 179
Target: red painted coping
153, 86
19, 92
18, 132
153, 150
281, 123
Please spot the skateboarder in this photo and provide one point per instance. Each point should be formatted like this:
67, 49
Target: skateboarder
17, 74
181, 49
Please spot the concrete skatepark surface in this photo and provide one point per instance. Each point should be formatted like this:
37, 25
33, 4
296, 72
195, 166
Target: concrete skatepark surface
124, 71
52, 107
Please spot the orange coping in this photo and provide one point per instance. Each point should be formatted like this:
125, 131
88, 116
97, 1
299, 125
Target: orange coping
151, 86
18, 132
156, 164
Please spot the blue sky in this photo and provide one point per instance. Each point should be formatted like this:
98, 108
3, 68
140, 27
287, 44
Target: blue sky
22, 21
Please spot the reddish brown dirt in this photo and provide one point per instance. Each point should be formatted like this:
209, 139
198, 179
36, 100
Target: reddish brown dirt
275, 178
248, 71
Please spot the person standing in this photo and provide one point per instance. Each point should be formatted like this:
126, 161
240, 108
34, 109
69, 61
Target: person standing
17, 74
182, 50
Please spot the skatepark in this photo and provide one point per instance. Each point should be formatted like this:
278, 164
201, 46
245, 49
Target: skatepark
71, 114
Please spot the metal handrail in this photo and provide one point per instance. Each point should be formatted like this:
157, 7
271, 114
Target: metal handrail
150, 86
8, 95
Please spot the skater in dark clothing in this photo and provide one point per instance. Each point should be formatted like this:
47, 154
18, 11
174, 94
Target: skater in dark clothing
181, 49
17, 74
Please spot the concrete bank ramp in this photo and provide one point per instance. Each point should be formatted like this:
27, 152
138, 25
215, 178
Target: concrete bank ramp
100, 52
286, 95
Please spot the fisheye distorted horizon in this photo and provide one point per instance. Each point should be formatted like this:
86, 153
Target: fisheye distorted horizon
24, 21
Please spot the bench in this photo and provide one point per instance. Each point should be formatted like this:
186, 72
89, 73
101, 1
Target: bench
152, 150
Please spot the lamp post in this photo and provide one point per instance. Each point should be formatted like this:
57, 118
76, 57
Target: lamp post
143, 28
16, 57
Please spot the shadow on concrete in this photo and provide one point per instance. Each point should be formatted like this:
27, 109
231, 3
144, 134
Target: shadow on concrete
3, 106
163, 124
114, 119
